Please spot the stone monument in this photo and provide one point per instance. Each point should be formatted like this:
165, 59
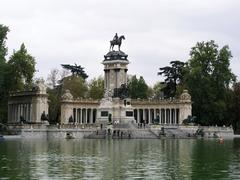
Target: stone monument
116, 106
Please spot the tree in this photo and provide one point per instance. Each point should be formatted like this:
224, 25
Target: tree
96, 88
54, 97
3, 71
21, 68
53, 77
76, 70
138, 88
235, 108
208, 77
158, 90
76, 85
3, 37
173, 76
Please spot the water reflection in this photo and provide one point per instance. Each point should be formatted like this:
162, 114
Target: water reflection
120, 159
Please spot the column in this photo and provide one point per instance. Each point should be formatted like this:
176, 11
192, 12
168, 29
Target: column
155, 113
94, 115
91, 116
138, 115
15, 112
81, 116
9, 112
29, 109
108, 79
30, 113
86, 114
105, 80
74, 114
18, 112
26, 111
144, 115
165, 116
175, 116
149, 116
170, 116
116, 76
160, 118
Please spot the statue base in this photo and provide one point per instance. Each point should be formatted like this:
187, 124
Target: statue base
115, 111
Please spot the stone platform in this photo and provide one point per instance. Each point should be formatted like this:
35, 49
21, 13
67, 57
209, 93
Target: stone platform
118, 131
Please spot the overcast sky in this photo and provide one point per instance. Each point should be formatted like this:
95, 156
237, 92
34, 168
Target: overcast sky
157, 31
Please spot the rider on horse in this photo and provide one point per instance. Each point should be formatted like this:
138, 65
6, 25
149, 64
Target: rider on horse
115, 38
116, 41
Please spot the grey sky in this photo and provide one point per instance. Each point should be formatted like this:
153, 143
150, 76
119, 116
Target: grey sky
156, 31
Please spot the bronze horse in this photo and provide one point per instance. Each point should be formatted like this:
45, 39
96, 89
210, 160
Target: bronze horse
116, 42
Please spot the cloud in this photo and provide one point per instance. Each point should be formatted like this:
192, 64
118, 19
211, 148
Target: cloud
157, 32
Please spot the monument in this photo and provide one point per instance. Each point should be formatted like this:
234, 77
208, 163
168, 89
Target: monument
116, 106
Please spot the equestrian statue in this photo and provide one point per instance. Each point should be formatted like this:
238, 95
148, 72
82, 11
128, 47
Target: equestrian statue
116, 41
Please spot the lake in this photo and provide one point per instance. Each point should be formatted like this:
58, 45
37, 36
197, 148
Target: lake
120, 159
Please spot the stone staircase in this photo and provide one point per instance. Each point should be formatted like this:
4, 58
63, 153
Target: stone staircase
175, 133
98, 134
124, 131
143, 134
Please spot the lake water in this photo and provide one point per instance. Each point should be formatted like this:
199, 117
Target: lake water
120, 159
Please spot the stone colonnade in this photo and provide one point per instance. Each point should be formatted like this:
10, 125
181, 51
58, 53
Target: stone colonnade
17, 110
84, 115
165, 111
82, 111
163, 115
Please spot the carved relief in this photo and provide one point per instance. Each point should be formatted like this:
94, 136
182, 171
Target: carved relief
185, 96
67, 95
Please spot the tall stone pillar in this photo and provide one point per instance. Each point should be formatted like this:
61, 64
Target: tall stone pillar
115, 104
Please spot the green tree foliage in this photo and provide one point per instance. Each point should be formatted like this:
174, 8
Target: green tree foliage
54, 97
235, 107
3, 71
3, 37
158, 90
208, 78
76, 70
96, 88
21, 67
76, 85
173, 76
138, 88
